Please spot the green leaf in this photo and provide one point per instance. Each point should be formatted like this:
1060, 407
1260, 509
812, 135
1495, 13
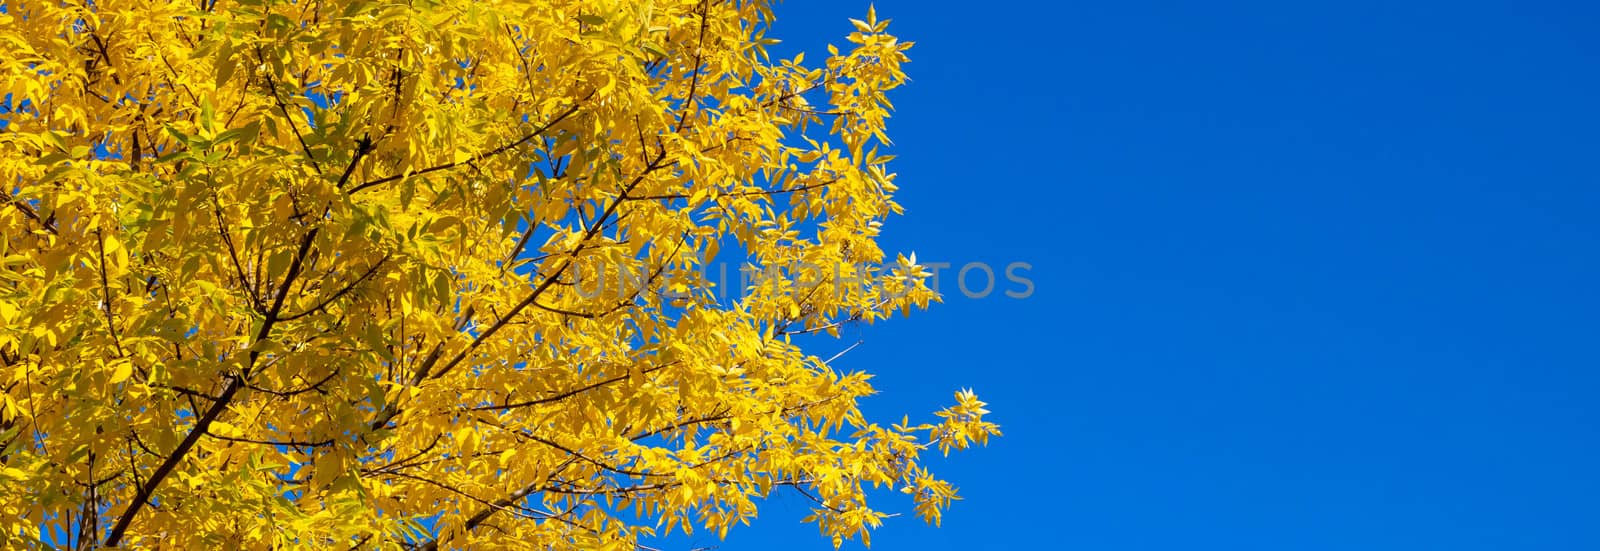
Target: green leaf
208, 113
651, 47
178, 135
225, 63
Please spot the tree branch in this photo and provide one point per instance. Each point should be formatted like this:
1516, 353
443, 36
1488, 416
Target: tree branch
694, 80
568, 394
203, 423
273, 87
475, 158
325, 302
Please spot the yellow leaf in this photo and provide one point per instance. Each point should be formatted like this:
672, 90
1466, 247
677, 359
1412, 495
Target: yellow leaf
121, 371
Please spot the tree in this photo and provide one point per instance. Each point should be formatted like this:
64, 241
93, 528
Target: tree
333, 274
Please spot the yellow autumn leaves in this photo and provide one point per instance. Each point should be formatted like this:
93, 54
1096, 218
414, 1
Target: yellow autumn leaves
307, 275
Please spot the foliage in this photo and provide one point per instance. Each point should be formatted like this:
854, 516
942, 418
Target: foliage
310, 274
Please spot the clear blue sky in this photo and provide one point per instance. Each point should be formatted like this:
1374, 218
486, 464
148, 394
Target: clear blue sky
1309, 275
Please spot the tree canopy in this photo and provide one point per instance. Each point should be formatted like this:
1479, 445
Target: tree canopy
435, 274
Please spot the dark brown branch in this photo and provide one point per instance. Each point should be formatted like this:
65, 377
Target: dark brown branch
475, 158
294, 443
694, 81
567, 394
403, 463
272, 86
594, 229
185, 391
142, 495
574, 453
28, 211
101, 47
670, 196
802, 490
233, 254
507, 507
426, 368
680, 425
105, 291
203, 423
317, 386
484, 514
325, 302
555, 310
363, 147
522, 243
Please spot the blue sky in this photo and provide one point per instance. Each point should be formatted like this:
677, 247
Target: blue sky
1310, 275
